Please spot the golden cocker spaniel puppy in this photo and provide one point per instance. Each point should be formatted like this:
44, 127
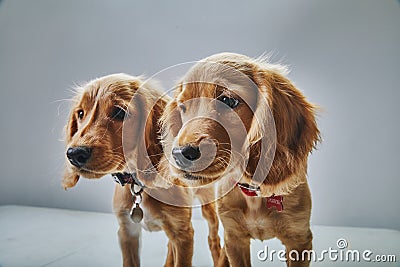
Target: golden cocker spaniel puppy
113, 129
241, 124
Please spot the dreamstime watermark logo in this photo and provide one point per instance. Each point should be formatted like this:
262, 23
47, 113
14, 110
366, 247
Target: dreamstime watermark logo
339, 253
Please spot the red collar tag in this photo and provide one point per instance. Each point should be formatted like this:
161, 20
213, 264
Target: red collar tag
251, 191
275, 201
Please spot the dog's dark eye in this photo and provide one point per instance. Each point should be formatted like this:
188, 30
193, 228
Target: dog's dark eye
118, 114
229, 101
80, 114
182, 107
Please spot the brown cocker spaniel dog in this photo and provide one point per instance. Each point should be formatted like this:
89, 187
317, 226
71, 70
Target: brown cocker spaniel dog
242, 124
100, 143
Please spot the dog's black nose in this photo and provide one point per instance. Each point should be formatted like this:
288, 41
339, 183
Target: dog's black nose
184, 156
191, 152
78, 156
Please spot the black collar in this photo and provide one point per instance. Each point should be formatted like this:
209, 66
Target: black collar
126, 178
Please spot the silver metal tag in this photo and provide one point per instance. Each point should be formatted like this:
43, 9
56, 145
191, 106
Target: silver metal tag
136, 214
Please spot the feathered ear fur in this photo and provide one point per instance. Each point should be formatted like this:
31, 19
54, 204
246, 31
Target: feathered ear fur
296, 134
70, 178
152, 132
150, 149
262, 118
72, 126
171, 121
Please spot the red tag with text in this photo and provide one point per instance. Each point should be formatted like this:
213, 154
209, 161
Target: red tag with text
275, 201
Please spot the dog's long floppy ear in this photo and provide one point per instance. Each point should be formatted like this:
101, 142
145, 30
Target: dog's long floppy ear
71, 127
294, 117
296, 132
171, 121
152, 129
262, 117
70, 179
150, 150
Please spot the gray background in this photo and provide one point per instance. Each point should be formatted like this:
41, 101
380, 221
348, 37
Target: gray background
344, 55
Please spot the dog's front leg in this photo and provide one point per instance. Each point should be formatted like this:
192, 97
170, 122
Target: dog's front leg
170, 256
236, 238
298, 248
223, 259
210, 215
182, 247
237, 248
129, 233
179, 230
129, 239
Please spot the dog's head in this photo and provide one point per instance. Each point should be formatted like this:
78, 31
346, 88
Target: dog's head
230, 111
94, 132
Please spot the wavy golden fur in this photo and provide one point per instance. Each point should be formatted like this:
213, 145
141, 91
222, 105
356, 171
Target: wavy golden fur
276, 115
96, 123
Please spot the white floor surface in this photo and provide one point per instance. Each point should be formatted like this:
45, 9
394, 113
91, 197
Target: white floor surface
36, 237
